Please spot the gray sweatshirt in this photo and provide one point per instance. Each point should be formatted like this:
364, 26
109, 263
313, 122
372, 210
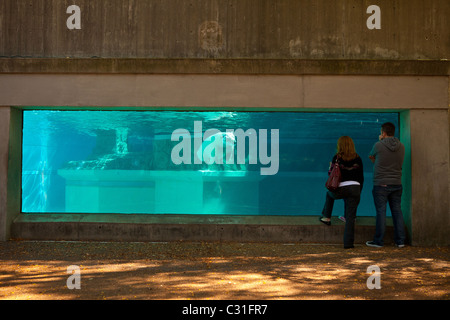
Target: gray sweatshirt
389, 154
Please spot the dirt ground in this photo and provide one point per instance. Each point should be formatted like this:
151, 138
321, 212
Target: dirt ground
220, 271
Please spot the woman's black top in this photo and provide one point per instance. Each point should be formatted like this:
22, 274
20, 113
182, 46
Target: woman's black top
351, 170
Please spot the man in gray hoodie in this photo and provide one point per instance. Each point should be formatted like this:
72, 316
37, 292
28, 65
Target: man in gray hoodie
387, 155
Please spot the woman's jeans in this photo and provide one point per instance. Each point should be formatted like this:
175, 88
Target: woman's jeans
351, 195
391, 194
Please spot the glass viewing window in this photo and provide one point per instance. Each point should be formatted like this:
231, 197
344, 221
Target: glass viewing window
178, 162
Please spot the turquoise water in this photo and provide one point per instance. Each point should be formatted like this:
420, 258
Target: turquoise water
133, 162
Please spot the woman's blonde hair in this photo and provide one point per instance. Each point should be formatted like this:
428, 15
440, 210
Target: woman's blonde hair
346, 148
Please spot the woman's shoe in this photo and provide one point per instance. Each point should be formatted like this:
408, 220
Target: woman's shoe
327, 222
342, 218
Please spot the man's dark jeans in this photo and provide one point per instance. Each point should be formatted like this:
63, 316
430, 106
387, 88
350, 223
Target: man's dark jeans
351, 195
382, 195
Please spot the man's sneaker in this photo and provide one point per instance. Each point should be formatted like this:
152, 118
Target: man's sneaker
400, 245
373, 244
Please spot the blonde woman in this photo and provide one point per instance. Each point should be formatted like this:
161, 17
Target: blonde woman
349, 188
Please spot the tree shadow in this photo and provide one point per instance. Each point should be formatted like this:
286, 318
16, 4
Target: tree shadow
219, 271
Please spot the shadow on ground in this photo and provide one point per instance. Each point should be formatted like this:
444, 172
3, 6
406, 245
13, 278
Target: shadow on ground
217, 271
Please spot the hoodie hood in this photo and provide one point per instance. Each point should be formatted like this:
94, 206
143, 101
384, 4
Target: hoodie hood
392, 143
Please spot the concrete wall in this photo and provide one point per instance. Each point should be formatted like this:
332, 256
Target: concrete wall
225, 91
300, 29
4, 154
422, 102
430, 216
296, 55
10, 168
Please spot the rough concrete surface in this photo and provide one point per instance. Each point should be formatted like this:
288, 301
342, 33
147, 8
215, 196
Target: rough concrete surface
220, 271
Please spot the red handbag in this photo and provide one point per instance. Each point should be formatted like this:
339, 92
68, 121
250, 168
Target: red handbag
334, 178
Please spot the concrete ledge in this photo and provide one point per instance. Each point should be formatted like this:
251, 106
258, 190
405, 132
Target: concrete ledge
121, 227
224, 66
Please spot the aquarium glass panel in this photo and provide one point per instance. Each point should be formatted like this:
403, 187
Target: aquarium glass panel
173, 162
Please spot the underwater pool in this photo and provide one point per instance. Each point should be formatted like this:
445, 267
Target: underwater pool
180, 162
